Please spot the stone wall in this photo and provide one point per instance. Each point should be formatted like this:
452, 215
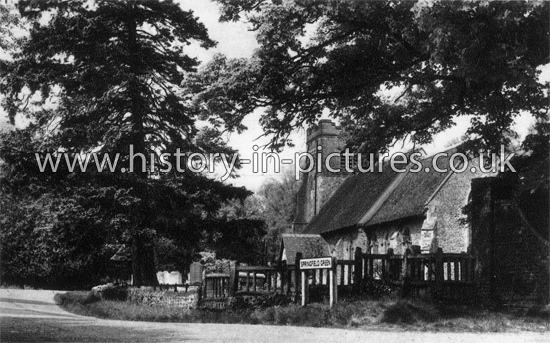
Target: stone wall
399, 236
325, 188
148, 296
343, 243
452, 232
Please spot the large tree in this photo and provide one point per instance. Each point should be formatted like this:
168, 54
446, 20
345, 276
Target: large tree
101, 76
439, 59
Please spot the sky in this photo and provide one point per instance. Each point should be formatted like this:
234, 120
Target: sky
236, 41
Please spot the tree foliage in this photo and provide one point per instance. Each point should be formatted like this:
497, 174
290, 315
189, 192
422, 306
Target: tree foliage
274, 206
438, 61
98, 77
9, 22
532, 179
50, 241
279, 199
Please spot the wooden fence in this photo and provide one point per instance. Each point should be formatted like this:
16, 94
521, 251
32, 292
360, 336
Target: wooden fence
416, 269
250, 280
449, 276
414, 272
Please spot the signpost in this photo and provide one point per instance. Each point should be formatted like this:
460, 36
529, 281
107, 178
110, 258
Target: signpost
316, 263
319, 263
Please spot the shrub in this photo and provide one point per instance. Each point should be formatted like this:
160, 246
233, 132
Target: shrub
403, 312
241, 303
378, 288
84, 298
213, 265
111, 292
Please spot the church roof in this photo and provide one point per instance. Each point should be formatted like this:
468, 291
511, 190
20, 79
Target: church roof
371, 198
310, 245
350, 201
411, 195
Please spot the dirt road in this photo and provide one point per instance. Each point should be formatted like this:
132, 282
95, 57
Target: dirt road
32, 316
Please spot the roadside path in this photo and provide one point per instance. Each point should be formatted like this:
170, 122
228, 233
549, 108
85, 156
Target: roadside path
33, 316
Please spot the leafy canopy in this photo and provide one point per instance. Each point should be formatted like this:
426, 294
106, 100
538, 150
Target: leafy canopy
438, 60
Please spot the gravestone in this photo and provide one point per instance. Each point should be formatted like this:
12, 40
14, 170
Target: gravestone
175, 278
160, 278
166, 277
195, 273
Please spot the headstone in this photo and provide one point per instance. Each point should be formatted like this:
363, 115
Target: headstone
166, 277
175, 278
160, 278
195, 271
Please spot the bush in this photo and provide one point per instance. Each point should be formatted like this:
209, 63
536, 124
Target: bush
378, 288
84, 298
116, 293
111, 292
240, 303
213, 265
403, 312
318, 293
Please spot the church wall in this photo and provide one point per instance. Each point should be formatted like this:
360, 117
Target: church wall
453, 233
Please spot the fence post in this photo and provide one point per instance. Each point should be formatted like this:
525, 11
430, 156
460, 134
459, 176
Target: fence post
283, 269
233, 278
289, 279
371, 268
204, 285
304, 286
254, 281
390, 266
297, 274
405, 273
439, 270
358, 266
405, 268
333, 284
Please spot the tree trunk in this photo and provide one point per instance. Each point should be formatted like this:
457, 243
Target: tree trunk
143, 263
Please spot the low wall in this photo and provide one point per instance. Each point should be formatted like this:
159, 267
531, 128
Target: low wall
184, 300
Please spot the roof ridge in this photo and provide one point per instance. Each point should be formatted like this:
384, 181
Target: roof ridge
444, 181
301, 234
383, 197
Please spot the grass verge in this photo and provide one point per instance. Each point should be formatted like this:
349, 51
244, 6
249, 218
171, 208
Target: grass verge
382, 314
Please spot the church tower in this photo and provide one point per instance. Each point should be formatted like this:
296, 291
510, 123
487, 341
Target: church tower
318, 186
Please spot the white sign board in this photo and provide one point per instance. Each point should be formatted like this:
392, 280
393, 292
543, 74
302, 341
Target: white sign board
427, 233
426, 238
316, 263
